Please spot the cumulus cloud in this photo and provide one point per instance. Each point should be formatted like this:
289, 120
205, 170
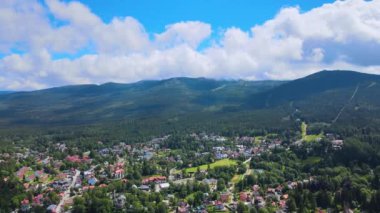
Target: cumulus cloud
59, 43
191, 33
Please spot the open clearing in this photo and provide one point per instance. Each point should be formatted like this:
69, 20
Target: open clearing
223, 162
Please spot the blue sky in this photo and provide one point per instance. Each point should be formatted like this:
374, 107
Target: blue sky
48, 43
155, 15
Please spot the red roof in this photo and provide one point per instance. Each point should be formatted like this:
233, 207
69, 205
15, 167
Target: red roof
218, 203
21, 172
85, 188
243, 196
37, 199
224, 197
25, 202
119, 171
73, 158
153, 179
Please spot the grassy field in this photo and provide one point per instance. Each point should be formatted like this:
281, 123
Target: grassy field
311, 138
223, 162
306, 137
303, 129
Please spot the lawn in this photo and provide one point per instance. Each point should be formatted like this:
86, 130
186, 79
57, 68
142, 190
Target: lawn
223, 162
312, 138
306, 137
258, 139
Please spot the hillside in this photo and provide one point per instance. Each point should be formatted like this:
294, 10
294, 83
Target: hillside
5, 92
327, 96
330, 97
85, 104
315, 84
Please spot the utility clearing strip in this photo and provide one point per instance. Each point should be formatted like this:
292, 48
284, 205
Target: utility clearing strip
341, 110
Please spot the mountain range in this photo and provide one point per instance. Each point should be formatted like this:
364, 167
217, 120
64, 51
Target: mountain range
329, 97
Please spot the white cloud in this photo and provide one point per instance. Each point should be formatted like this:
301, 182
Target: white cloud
121, 36
191, 33
340, 35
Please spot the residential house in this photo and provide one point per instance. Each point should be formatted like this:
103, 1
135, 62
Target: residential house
212, 183
52, 208
219, 206
337, 144
25, 206
225, 197
183, 207
22, 171
161, 186
38, 200
92, 181
154, 179
144, 188
120, 201
244, 197
260, 202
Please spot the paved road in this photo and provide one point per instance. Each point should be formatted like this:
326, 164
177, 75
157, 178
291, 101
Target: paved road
66, 195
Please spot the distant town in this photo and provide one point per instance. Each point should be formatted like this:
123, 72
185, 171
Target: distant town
220, 174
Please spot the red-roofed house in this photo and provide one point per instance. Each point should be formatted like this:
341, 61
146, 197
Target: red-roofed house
119, 174
37, 200
21, 172
25, 206
73, 158
155, 179
243, 196
102, 185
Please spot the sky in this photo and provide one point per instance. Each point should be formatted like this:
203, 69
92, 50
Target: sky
49, 43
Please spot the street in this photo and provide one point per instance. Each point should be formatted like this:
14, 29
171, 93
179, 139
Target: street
67, 192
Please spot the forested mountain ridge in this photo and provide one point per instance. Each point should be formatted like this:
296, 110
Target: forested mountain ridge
315, 84
5, 92
97, 103
326, 96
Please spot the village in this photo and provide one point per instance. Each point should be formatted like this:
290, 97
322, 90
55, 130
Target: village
53, 183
